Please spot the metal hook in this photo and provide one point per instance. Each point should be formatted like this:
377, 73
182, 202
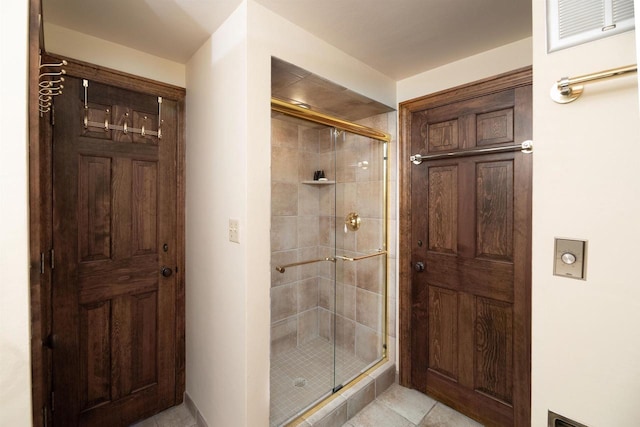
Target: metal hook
159, 117
59, 73
85, 84
60, 64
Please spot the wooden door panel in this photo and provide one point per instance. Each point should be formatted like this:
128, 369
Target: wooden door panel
470, 307
494, 348
441, 136
95, 354
443, 331
470, 275
144, 207
443, 209
94, 208
115, 199
492, 412
494, 210
495, 127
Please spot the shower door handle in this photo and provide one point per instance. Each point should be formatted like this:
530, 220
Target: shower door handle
419, 266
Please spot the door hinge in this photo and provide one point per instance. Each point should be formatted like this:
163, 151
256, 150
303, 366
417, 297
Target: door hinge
50, 341
41, 262
53, 115
53, 261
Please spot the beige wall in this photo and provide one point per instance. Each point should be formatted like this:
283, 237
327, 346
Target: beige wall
15, 361
216, 191
486, 64
73, 44
586, 340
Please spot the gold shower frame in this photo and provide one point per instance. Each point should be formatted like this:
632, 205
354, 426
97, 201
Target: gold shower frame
384, 137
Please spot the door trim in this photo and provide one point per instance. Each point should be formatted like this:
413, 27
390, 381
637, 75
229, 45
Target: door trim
40, 220
522, 271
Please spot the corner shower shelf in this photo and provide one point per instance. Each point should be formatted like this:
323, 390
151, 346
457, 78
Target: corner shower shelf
318, 182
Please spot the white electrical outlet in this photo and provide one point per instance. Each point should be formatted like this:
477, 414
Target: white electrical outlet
234, 230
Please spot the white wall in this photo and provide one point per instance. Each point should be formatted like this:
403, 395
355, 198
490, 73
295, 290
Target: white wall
84, 47
486, 64
15, 361
216, 191
586, 340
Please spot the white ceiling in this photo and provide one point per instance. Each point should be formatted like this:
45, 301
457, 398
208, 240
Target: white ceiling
399, 38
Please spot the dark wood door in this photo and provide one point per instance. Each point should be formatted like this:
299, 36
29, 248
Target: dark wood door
470, 226
114, 220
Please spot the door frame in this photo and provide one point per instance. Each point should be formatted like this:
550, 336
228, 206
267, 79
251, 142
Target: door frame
40, 212
522, 270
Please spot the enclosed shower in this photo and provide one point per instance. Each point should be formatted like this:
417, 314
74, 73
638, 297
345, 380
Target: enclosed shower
328, 256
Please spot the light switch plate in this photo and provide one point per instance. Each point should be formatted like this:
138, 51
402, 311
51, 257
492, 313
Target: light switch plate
234, 230
570, 258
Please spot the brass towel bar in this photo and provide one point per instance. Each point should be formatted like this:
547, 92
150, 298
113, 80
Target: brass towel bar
283, 268
346, 258
568, 89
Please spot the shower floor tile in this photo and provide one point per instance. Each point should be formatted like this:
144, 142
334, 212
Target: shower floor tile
304, 375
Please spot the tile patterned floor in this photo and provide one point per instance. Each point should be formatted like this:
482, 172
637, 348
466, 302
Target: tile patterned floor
403, 407
396, 407
304, 375
178, 416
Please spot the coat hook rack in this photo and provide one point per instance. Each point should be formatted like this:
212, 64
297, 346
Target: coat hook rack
125, 128
49, 84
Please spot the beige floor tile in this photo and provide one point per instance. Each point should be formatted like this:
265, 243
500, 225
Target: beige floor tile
378, 415
411, 404
443, 416
149, 422
178, 416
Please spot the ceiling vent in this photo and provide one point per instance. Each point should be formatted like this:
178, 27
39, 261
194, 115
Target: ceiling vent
572, 22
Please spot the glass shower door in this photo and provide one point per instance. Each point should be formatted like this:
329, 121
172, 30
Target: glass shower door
360, 253
328, 249
302, 255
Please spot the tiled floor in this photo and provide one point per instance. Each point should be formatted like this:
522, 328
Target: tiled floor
396, 407
178, 416
403, 407
303, 375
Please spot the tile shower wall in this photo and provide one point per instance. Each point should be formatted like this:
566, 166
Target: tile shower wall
304, 227
295, 234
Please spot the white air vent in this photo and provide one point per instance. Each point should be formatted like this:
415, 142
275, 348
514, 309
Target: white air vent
572, 22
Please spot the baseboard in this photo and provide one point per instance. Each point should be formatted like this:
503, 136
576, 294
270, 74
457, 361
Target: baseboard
191, 406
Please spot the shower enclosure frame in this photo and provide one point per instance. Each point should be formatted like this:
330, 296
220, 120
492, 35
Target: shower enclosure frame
302, 112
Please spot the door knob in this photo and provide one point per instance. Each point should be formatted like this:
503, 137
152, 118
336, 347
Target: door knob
166, 271
419, 266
